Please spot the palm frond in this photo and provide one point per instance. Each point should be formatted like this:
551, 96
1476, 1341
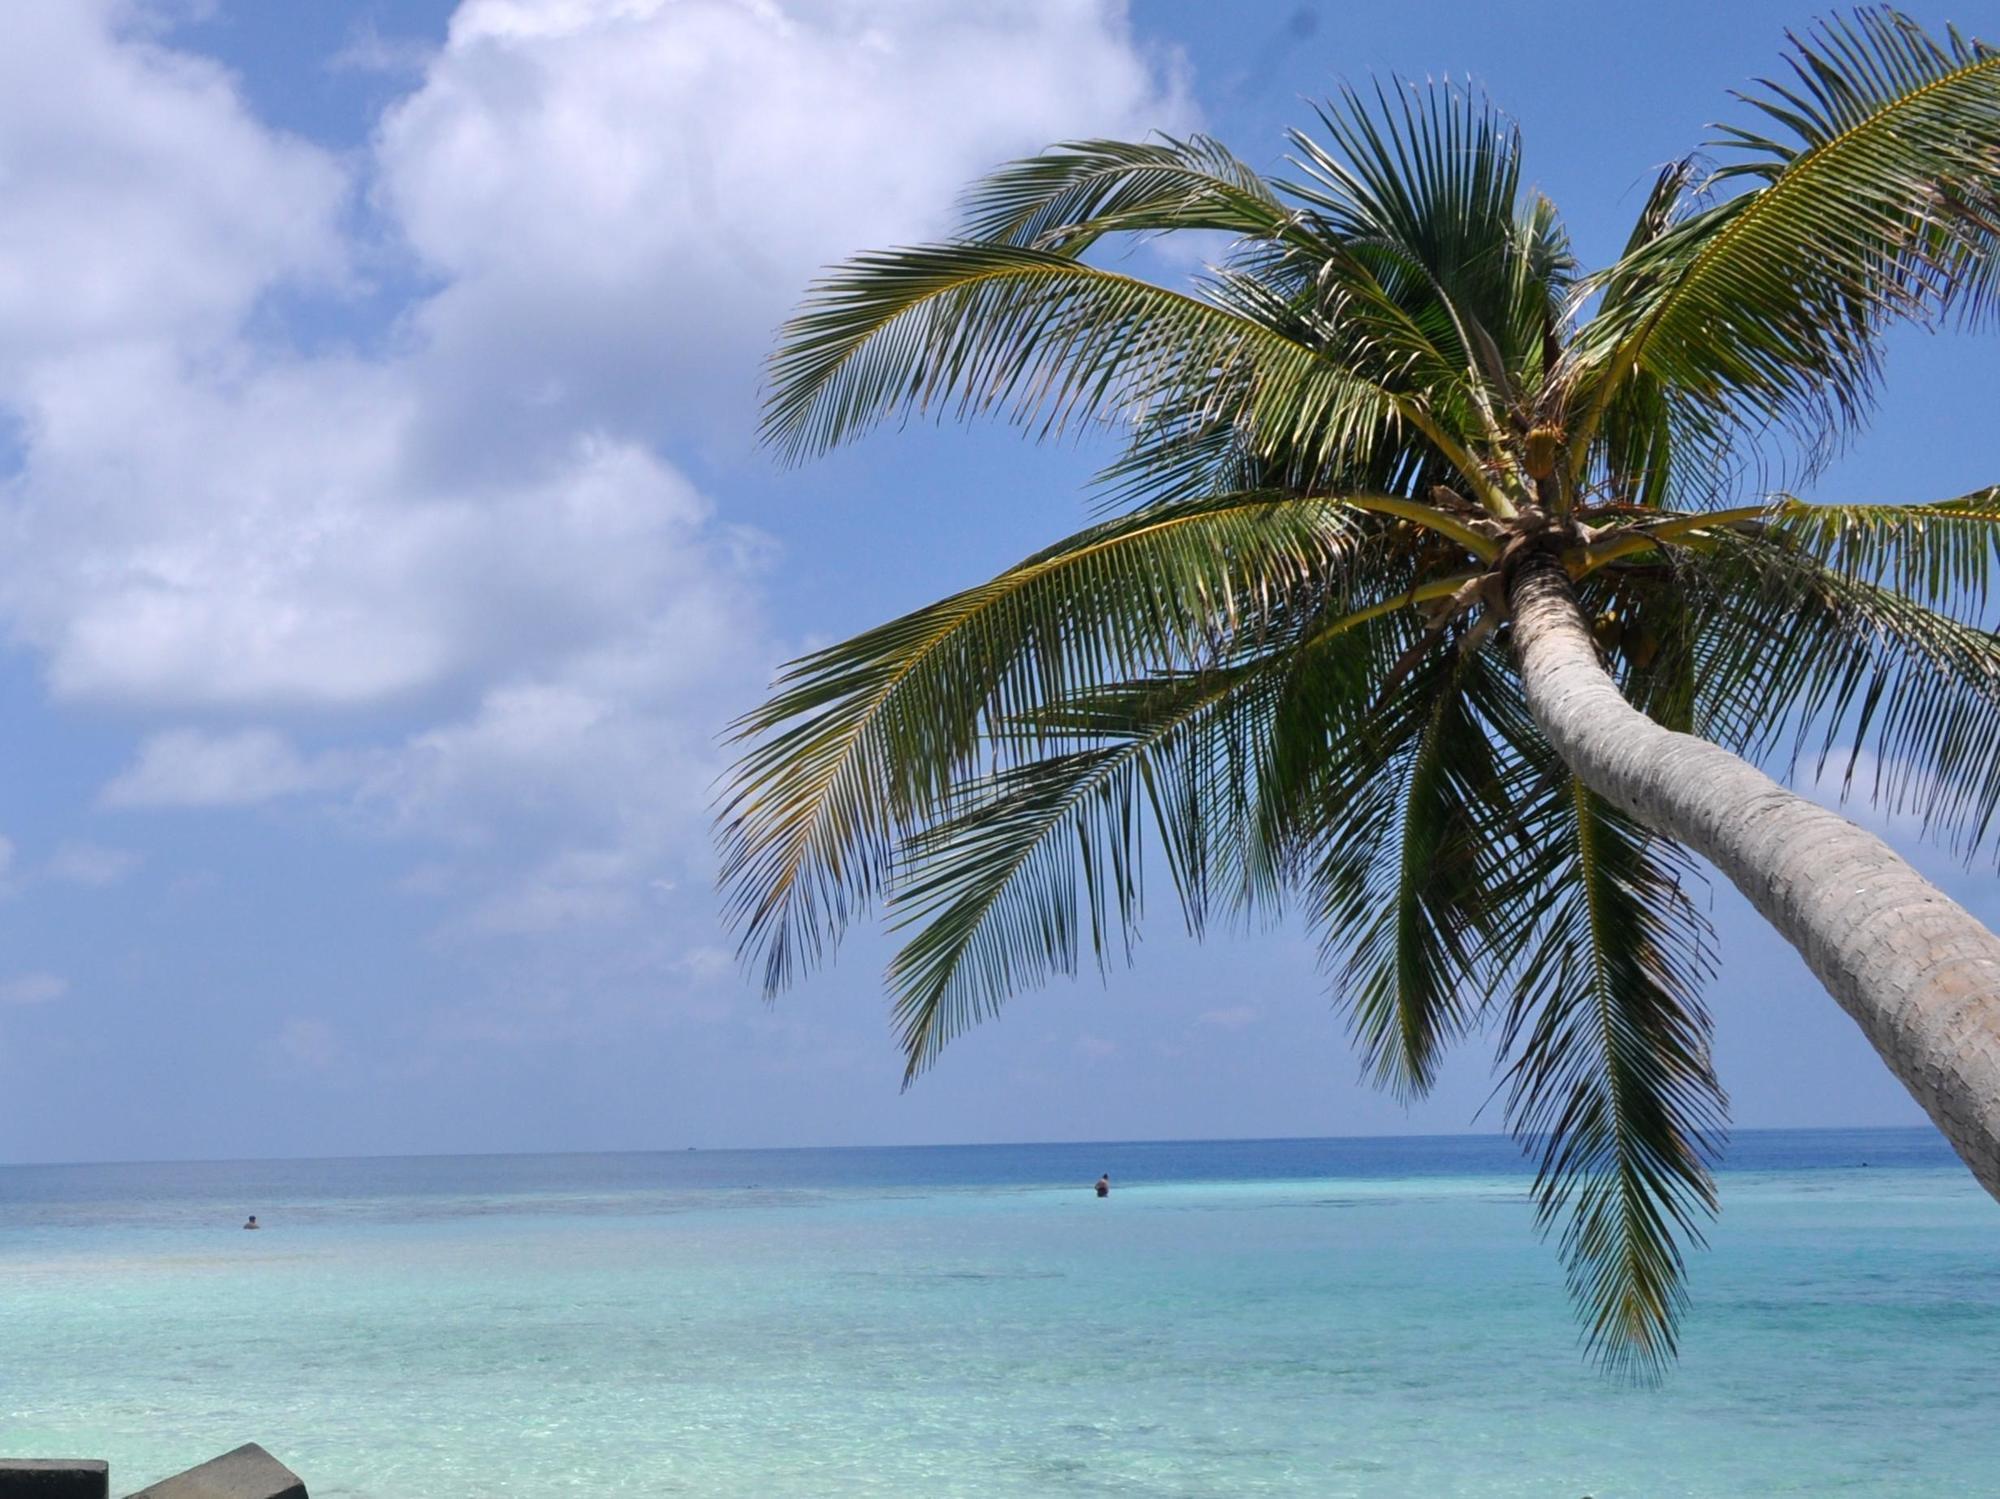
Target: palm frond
1804, 657
1395, 340
1765, 307
1942, 554
975, 327
1066, 198
997, 887
873, 735
1611, 1082
1034, 858
1403, 885
1430, 178
1040, 859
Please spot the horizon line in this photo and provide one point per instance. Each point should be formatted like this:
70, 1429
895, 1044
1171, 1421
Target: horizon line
676, 1150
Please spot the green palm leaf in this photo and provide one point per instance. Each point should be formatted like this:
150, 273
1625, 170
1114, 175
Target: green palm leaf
1038, 856
1034, 857
1404, 885
1795, 651
1611, 1081
1385, 420
1765, 307
871, 735
1940, 554
1065, 199
974, 327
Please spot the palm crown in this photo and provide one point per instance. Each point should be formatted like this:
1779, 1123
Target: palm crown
1279, 669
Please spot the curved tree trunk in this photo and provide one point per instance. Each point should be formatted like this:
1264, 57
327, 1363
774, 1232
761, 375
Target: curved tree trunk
1914, 969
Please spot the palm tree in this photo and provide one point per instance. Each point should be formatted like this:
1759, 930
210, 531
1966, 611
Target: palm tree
1446, 592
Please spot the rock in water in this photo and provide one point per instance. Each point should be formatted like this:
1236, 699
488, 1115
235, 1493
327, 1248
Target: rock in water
53, 1478
247, 1473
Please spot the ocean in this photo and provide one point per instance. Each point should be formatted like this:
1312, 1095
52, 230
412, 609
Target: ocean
1291, 1317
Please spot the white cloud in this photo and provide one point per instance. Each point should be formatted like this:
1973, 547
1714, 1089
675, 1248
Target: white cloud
191, 768
627, 195
275, 544
1231, 1018
464, 548
141, 200
615, 202
91, 864
32, 989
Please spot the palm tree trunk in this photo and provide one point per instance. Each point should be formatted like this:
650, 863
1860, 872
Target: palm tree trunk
1918, 974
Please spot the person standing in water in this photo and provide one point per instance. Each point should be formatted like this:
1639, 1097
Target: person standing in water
252, 1222
1104, 1185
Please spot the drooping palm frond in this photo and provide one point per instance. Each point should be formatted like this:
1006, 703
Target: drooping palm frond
1039, 861
1611, 1083
1577, 923
1833, 630
1942, 554
1402, 888
1798, 656
872, 735
1067, 198
1209, 766
868, 740
971, 328
1765, 307
1045, 860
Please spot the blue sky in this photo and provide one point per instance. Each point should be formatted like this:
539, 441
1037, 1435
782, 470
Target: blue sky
385, 545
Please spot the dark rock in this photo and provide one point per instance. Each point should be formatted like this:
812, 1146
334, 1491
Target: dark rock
53, 1478
247, 1473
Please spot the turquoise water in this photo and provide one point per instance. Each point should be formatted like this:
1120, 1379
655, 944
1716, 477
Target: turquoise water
1323, 1318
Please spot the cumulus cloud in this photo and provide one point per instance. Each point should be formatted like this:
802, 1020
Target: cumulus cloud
193, 768
612, 203
461, 546
627, 195
271, 543
143, 203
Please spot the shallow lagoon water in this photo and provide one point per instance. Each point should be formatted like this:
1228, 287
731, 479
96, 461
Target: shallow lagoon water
1324, 1318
